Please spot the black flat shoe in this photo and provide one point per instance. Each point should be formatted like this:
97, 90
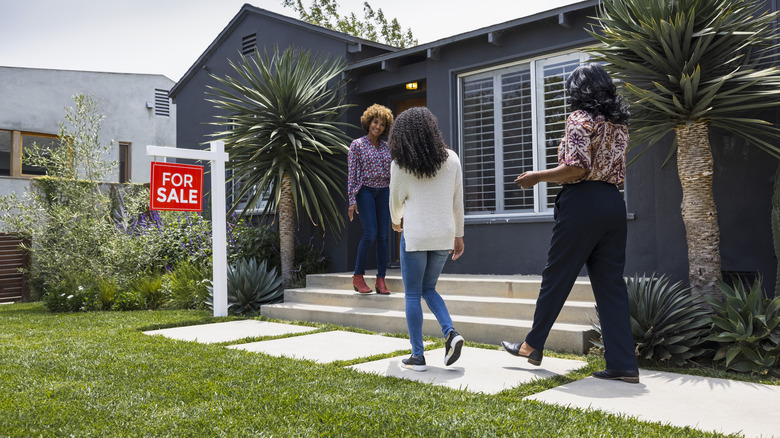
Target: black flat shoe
626, 376
535, 358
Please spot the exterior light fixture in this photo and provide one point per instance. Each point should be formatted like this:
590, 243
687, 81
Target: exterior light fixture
411, 86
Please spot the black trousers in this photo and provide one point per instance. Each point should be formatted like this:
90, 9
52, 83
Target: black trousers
590, 229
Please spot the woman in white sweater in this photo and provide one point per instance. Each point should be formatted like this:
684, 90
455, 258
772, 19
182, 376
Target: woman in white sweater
426, 205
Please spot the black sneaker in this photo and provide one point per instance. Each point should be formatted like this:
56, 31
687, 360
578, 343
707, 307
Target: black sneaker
452, 347
416, 363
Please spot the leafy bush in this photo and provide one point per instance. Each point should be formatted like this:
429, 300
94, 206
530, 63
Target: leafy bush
186, 286
746, 324
250, 286
150, 289
667, 323
73, 293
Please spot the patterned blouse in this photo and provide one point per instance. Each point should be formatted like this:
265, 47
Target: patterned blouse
367, 166
595, 145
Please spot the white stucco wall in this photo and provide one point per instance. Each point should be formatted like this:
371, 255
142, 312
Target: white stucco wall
34, 100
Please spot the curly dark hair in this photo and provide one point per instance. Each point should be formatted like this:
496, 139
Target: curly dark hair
416, 143
376, 111
592, 90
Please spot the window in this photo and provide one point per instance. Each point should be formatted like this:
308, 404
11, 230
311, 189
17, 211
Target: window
5, 153
14, 144
512, 119
234, 189
124, 162
162, 104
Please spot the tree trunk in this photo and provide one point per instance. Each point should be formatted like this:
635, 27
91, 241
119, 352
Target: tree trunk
695, 167
286, 231
776, 228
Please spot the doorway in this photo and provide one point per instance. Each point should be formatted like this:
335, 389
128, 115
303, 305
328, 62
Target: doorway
395, 237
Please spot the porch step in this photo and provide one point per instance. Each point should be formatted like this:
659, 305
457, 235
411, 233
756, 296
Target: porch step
485, 309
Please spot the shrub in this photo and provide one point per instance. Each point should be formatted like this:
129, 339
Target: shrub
746, 324
72, 293
667, 323
250, 285
150, 289
186, 286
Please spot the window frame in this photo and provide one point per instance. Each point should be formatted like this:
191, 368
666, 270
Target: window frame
128, 165
533, 65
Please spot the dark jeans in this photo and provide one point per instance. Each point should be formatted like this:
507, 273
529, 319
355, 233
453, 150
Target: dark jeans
374, 212
590, 229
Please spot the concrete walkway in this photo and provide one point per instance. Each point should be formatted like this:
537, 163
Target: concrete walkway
706, 404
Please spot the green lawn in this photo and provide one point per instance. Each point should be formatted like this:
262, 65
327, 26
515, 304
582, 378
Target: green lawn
96, 374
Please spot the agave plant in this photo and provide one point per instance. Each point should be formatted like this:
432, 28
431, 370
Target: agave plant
747, 326
251, 285
667, 322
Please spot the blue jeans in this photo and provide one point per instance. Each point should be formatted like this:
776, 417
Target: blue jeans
374, 212
420, 271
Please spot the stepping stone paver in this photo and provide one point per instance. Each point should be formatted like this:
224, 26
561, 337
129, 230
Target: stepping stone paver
708, 404
229, 331
477, 369
328, 346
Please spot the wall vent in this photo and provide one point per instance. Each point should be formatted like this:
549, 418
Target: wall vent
162, 104
248, 44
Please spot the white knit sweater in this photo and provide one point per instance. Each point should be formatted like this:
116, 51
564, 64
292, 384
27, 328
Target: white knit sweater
432, 208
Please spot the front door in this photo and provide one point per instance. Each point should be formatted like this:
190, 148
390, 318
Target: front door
395, 244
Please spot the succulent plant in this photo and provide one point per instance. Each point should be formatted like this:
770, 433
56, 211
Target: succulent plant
667, 323
746, 324
251, 285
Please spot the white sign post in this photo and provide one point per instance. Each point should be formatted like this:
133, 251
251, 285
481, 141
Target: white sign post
217, 157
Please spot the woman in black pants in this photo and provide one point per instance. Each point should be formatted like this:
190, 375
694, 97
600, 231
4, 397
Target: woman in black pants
590, 222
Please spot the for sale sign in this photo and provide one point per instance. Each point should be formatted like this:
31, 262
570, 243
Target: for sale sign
176, 187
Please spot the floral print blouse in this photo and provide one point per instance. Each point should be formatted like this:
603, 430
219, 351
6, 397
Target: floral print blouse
367, 166
595, 145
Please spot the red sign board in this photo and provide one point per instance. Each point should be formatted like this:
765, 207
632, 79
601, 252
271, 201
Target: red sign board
176, 187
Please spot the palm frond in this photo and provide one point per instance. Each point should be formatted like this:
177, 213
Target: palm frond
688, 61
282, 114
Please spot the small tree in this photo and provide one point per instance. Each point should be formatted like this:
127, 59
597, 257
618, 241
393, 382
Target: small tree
374, 27
689, 66
67, 213
282, 126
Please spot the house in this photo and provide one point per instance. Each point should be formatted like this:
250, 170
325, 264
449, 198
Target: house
137, 110
498, 94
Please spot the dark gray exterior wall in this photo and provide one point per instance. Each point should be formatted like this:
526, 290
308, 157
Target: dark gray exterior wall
656, 239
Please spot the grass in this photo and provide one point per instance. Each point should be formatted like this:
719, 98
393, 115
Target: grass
97, 374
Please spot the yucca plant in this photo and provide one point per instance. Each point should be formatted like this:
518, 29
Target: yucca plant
251, 285
688, 66
282, 125
667, 322
746, 324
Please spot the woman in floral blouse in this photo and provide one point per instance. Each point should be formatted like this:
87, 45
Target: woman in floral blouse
368, 192
590, 222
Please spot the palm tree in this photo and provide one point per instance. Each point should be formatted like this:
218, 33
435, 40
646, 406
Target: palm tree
689, 66
283, 132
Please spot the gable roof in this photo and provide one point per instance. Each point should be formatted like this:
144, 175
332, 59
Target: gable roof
247, 10
424, 50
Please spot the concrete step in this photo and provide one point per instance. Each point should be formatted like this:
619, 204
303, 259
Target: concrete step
500, 286
573, 312
573, 338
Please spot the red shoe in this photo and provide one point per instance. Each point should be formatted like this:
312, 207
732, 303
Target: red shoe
381, 287
359, 284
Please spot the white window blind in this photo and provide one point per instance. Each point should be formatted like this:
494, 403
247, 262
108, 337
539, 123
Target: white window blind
512, 119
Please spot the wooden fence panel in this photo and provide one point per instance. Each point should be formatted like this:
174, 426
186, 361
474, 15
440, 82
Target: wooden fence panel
13, 284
